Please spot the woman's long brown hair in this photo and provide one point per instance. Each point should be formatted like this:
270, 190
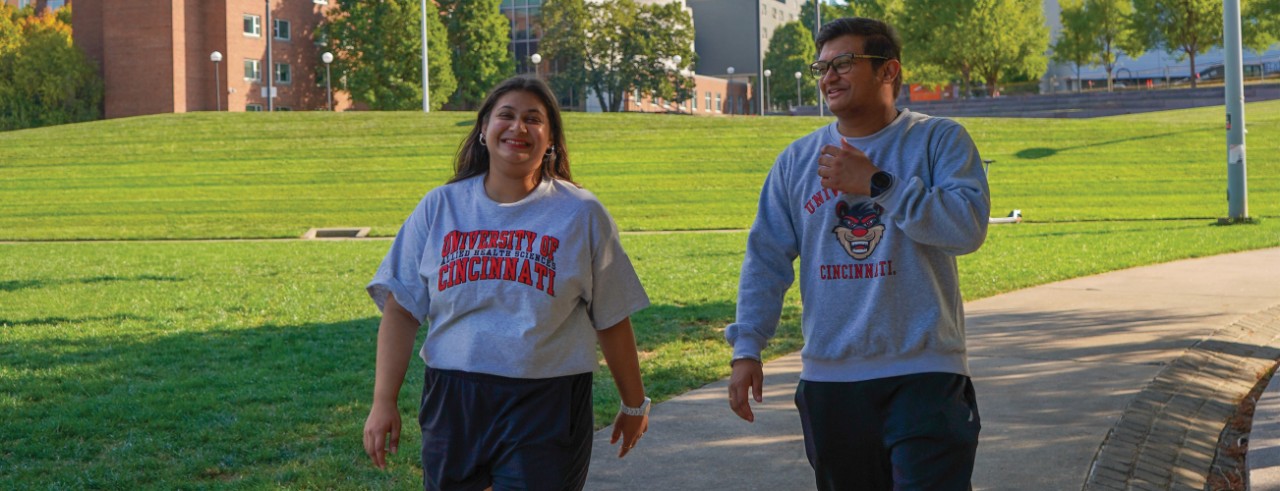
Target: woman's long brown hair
473, 158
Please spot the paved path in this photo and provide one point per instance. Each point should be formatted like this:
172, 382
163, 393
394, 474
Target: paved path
1116, 381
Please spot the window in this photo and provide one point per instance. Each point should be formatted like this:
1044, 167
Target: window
252, 70
253, 108
285, 109
718, 106
321, 2
252, 25
281, 30
283, 74
708, 108
694, 101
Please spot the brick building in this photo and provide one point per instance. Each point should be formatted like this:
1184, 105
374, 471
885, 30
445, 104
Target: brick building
154, 55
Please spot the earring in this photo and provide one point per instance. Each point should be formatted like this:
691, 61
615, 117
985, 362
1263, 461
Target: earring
482, 142
551, 150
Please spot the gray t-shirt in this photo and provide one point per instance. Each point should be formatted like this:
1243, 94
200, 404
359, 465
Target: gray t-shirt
511, 289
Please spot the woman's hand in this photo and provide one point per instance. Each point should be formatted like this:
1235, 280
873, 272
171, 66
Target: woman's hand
630, 429
382, 433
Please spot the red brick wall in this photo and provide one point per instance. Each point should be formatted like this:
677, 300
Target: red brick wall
154, 54
137, 66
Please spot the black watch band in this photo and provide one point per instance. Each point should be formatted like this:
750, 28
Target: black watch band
880, 182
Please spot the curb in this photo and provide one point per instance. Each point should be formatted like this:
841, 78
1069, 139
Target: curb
1167, 437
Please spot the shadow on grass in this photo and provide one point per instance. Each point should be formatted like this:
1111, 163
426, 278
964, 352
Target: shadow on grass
1042, 152
265, 406
129, 409
16, 285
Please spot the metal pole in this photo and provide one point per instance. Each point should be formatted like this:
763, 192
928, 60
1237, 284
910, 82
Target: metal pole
217, 87
328, 88
271, 67
426, 87
817, 26
1237, 184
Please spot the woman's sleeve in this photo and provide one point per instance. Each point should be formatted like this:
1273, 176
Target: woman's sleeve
616, 292
398, 275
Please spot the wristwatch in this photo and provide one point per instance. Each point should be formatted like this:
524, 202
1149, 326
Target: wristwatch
643, 410
880, 182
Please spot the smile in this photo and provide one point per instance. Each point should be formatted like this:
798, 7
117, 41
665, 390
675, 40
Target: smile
517, 143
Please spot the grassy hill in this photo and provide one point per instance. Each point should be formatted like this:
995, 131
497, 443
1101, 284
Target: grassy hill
244, 175
249, 364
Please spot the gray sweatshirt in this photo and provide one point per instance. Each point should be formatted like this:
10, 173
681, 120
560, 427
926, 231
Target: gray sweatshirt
878, 278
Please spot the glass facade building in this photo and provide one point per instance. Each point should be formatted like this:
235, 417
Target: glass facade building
525, 17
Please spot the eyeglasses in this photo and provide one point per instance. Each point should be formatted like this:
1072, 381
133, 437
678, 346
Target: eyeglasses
842, 64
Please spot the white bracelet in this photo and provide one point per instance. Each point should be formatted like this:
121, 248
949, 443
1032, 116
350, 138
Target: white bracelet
643, 410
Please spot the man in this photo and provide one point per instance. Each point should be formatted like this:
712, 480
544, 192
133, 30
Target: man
878, 204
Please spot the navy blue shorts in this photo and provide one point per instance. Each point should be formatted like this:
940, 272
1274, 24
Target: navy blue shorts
481, 430
912, 432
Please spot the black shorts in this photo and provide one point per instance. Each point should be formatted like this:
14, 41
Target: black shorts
481, 430
912, 432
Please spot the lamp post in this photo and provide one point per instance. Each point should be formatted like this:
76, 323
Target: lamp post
426, 87
327, 58
270, 32
676, 60
798, 77
767, 74
216, 57
729, 90
537, 60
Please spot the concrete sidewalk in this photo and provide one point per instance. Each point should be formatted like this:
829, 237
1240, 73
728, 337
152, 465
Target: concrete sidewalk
1107, 382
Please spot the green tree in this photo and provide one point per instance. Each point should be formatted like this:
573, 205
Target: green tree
377, 49
44, 78
1114, 33
1183, 28
1011, 39
478, 34
829, 13
1260, 24
791, 50
990, 39
1076, 42
616, 47
564, 23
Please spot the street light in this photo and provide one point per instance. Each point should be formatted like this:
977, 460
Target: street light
216, 57
536, 59
767, 73
798, 77
729, 91
327, 58
676, 61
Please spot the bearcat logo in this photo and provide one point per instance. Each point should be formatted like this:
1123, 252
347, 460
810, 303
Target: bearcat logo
860, 229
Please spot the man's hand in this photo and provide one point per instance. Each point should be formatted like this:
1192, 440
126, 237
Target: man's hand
846, 169
747, 375
629, 429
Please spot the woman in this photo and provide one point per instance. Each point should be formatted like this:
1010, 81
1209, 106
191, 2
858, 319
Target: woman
514, 267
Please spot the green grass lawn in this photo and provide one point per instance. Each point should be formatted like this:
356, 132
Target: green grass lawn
205, 175
189, 364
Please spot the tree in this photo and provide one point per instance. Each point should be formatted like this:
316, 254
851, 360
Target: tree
1076, 42
564, 23
829, 13
1114, 33
1011, 41
791, 50
1260, 24
616, 47
991, 39
478, 34
377, 49
1183, 28
44, 78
